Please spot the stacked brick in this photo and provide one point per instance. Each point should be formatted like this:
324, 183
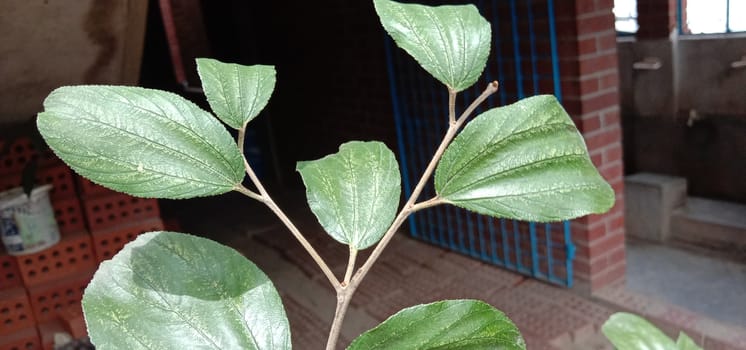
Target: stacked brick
41, 293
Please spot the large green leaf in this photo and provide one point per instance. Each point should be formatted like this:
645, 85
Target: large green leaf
355, 192
169, 290
450, 42
236, 93
144, 142
523, 161
631, 332
449, 324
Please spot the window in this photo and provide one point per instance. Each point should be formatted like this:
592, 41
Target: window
625, 12
715, 16
700, 16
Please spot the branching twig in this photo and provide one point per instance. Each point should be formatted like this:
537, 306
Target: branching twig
264, 197
345, 293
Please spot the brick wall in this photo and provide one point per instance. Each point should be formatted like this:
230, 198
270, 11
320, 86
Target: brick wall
657, 18
590, 86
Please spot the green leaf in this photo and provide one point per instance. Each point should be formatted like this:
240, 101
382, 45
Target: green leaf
355, 192
449, 324
169, 290
236, 93
144, 142
524, 161
450, 42
686, 343
631, 332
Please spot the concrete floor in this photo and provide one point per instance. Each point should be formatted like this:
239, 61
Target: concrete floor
411, 272
704, 284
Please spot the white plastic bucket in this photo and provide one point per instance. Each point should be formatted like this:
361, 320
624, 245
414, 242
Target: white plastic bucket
27, 223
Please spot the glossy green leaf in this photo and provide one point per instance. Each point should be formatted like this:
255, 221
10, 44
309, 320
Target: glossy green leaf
523, 161
169, 290
449, 324
144, 142
355, 192
236, 93
686, 343
450, 42
631, 332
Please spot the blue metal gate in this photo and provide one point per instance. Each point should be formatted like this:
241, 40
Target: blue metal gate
524, 60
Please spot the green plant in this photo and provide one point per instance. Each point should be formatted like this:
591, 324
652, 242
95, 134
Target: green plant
170, 290
631, 332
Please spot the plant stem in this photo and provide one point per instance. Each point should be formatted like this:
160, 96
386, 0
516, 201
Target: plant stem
350, 266
344, 294
451, 106
408, 207
343, 302
265, 198
427, 204
249, 193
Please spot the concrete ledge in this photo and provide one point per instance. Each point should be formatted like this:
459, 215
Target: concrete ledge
650, 200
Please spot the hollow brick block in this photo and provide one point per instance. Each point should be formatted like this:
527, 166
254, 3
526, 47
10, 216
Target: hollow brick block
107, 242
74, 253
114, 209
15, 311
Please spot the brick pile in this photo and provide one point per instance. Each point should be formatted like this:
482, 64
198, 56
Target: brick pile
41, 293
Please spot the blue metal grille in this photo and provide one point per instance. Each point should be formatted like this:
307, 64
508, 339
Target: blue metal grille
524, 60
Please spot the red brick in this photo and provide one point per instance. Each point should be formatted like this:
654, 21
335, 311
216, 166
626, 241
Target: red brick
597, 63
615, 223
618, 186
613, 153
10, 276
610, 117
73, 254
602, 5
15, 311
107, 242
609, 98
614, 275
617, 256
590, 124
114, 209
603, 138
69, 215
609, 80
72, 317
584, 7
47, 330
581, 266
589, 86
20, 152
569, 67
88, 188
605, 245
570, 87
597, 160
611, 171
606, 42
586, 47
49, 300
590, 233
598, 22
25, 339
